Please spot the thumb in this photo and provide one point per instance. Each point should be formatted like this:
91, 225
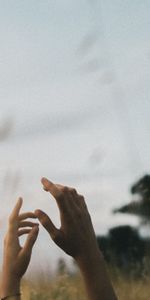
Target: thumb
47, 224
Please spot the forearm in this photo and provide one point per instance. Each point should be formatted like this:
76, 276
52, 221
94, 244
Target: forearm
97, 282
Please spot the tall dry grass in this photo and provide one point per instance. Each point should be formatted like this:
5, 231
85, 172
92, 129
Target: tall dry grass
62, 287
66, 287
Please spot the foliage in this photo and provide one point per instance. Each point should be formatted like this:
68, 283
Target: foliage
125, 248
141, 206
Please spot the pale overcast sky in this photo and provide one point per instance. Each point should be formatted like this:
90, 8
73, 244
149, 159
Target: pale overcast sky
75, 95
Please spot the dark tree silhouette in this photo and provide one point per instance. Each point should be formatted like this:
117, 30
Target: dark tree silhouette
140, 206
123, 245
125, 248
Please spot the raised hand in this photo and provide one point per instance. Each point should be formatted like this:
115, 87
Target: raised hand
76, 234
16, 258
77, 238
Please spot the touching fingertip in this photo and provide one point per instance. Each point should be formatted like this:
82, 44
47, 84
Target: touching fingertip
37, 212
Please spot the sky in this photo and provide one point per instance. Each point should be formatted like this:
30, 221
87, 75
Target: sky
74, 98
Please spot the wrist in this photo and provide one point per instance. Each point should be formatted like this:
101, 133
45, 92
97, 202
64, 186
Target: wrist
10, 286
89, 257
12, 297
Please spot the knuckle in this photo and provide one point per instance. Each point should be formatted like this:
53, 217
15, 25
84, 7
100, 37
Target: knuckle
60, 195
88, 217
81, 198
63, 193
73, 191
65, 189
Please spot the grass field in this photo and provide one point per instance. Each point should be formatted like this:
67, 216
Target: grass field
66, 287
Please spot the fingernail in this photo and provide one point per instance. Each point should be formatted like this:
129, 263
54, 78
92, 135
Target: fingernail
46, 181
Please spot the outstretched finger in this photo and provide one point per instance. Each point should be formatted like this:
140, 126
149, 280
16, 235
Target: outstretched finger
27, 224
16, 209
49, 186
13, 218
47, 224
27, 215
23, 231
30, 241
55, 191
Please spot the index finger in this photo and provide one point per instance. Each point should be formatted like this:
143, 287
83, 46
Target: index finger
13, 218
16, 209
54, 191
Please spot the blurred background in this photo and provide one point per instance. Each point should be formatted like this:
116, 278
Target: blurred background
74, 107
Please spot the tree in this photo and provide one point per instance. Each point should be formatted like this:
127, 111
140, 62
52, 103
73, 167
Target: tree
124, 247
140, 206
